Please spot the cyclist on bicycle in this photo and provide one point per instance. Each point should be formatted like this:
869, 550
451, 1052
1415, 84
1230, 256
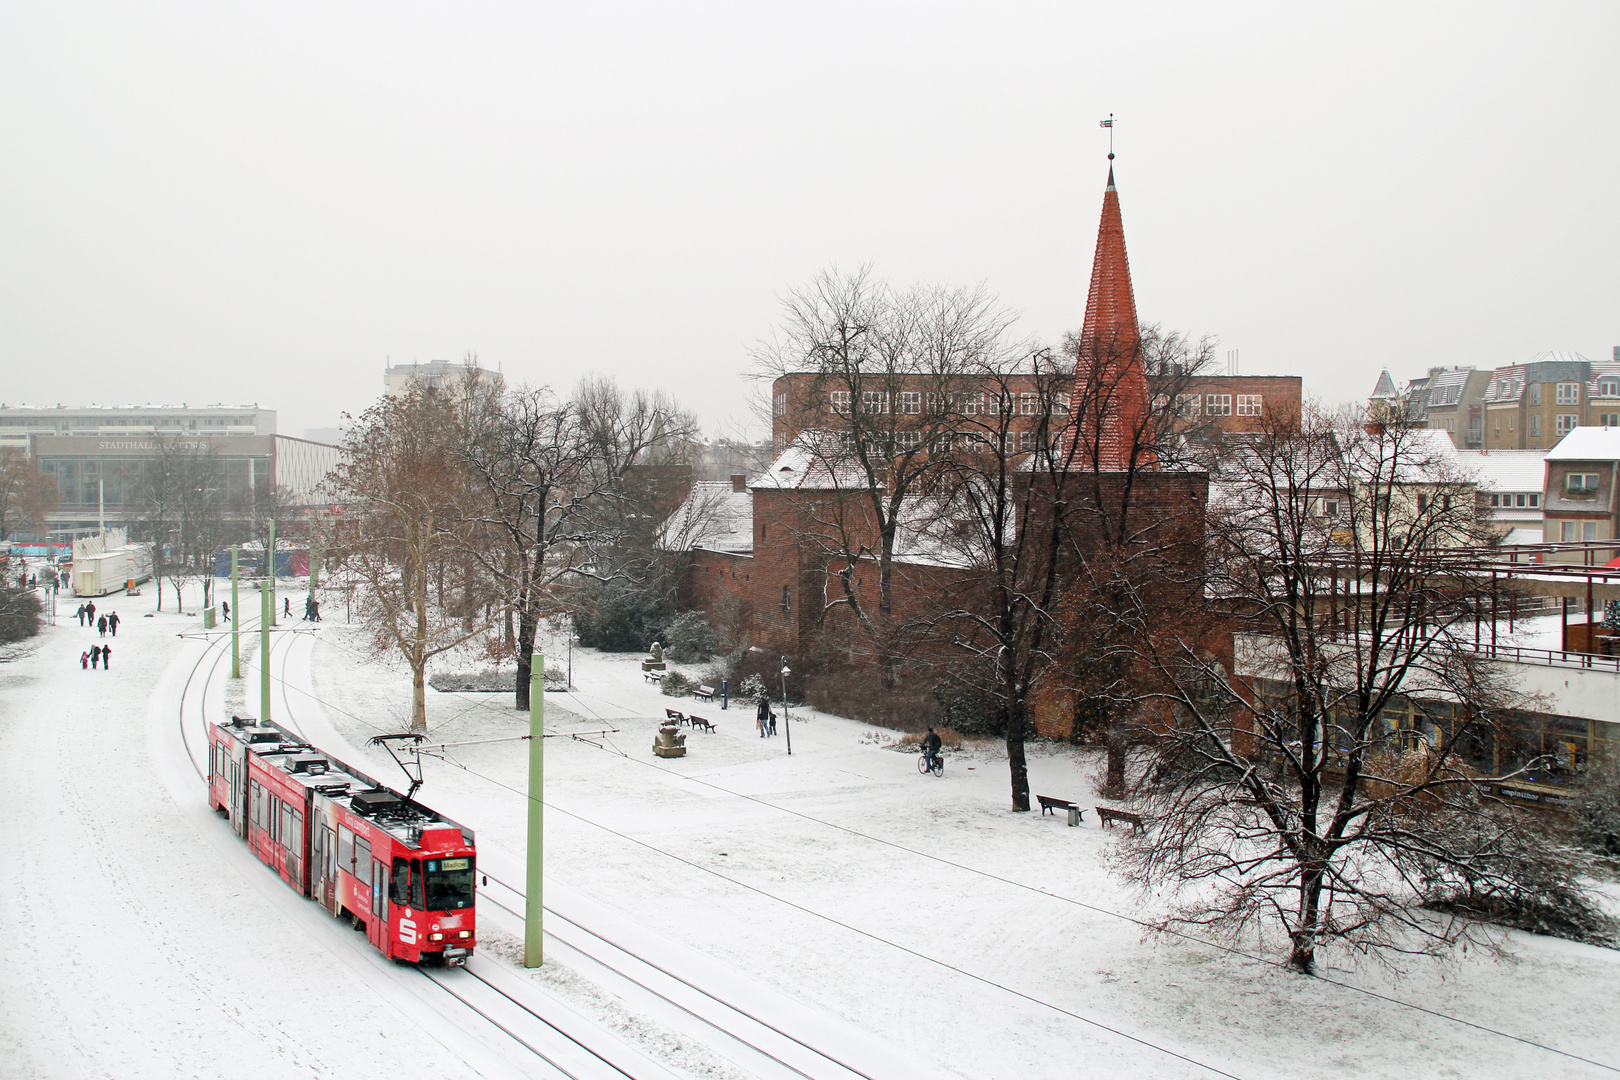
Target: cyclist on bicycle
930, 747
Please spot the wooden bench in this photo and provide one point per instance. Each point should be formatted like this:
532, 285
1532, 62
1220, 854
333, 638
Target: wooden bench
653, 676
1049, 804
699, 722
676, 715
1105, 815
704, 692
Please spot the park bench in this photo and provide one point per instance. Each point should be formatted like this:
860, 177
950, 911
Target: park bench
1106, 815
677, 716
704, 692
653, 676
1049, 804
699, 722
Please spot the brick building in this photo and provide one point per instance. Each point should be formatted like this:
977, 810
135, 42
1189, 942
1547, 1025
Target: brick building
770, 558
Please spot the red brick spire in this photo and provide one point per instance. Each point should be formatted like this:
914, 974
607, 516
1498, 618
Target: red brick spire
1110, 388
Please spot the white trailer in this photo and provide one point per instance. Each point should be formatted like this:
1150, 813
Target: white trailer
100, 573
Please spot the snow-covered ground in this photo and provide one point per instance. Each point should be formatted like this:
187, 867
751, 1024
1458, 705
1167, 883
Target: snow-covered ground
920, 914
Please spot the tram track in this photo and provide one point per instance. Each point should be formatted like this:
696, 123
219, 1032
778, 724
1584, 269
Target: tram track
558, 1045
733, 1030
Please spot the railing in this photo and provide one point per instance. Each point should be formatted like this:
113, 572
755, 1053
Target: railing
1515, 654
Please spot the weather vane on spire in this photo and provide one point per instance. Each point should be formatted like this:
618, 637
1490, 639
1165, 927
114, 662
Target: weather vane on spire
1109, 124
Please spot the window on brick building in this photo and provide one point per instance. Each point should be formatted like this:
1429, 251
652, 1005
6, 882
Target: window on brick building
779, 406
1609, 387
1248, 404
1189, 404
1569, 393
905, 441
936, 402
1060, 402
1535, 393
972, 404
1535, 427
1564, 423
908, 402
1535, 499
1217, 404
1029, 403
874, 402
1609, 419
787, 599
1510, 421
779, 442
1028, 441
839, 400
1577, 481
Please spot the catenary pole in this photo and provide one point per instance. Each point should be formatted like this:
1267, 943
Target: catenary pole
533, 911
267, 604
236, 617
270, 576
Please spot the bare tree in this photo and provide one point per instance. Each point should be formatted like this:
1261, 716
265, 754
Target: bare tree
184, 492
889, 374
1341, 783
556, 495
407, 523
26, 494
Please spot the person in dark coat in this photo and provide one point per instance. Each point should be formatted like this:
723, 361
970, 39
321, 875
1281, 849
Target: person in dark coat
90, 613
112, 623
101, 626
95, 656
286, 607
226, 605
106, 657
762, 715
80, 614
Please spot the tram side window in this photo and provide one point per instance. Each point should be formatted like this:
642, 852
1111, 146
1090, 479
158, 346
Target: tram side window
257, 795
362, 858
286, 836
345, 851
400, 889
271, 817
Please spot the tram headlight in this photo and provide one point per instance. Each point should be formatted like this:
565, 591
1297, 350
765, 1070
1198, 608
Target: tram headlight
435, 937
466, 933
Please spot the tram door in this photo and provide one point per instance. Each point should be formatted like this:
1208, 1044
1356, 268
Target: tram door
323, 868
377, 925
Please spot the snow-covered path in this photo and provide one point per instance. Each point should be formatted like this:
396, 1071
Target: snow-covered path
138, 948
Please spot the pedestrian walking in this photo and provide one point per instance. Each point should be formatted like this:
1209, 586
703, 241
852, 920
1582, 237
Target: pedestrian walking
773, 721
226, 605
95, 656
112, 623
286, 607
90, 613
80, 614
315, 610
84, 661
101, 626
762, 715
106, 657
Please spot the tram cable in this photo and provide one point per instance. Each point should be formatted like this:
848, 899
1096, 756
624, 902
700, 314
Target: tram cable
1230, 950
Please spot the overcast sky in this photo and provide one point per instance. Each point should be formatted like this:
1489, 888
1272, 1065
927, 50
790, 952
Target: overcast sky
264, 203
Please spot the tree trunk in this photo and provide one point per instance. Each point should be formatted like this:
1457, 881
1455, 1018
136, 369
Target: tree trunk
419, 697
1117, 745
1018, 766
1302, 957
527, 624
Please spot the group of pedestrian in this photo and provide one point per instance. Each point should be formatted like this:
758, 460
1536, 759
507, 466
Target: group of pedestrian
765, 717
98, 655
312, 609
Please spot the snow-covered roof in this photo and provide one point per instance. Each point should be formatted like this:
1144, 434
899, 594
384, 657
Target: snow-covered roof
1385, 390
714, 516
1505, 470
814, 462
1588, 444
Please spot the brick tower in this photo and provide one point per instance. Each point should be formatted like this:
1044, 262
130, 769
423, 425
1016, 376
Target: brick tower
1110, 399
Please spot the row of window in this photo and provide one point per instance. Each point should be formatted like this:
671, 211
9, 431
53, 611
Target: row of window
1218, 404
914, 402
1523, 498
1564, 393
945, 442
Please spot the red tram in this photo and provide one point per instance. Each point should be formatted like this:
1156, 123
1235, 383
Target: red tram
393, 867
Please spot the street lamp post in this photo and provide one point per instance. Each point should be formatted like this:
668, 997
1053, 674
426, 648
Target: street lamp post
787, 728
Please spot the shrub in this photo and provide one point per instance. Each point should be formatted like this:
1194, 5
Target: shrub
620, 616
688, 638
675, 684
19, 614
1596, 819
752, 687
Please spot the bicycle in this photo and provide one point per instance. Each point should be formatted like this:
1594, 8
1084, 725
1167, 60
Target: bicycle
938, 768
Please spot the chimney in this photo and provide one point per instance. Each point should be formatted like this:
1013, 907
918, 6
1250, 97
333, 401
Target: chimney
739, 482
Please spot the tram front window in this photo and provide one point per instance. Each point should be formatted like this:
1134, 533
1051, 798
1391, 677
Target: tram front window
449, 883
